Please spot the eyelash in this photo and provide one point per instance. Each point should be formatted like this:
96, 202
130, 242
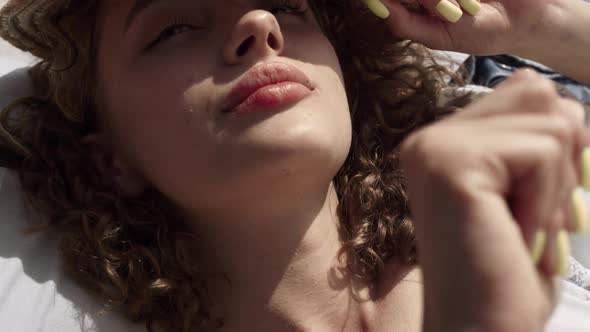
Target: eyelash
295, 7
171, 30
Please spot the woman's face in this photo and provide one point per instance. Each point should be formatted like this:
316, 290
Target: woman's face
170, 73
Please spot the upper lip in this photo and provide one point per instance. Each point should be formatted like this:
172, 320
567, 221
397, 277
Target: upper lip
262, 75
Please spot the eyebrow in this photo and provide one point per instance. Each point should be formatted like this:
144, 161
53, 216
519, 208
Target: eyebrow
138, 7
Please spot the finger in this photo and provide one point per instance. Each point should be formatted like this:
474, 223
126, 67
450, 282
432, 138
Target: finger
451, 10
520, 76
579, 212
557, 254
536, 169
448, 10
377, 7
546, 265
550, 260
574, 113
527, 91
552, 288
523, 91
535, 201
422, 28
471, 6
584, 164
575, 207
565, 129
569, 205
541, 242
571, 134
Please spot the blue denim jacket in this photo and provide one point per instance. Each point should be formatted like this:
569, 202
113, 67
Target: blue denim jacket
491, 70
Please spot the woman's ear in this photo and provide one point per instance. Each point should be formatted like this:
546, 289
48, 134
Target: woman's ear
113, 169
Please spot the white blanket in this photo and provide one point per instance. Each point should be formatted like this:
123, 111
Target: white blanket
34, 293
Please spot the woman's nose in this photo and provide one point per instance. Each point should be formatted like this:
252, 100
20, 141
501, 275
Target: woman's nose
256, 35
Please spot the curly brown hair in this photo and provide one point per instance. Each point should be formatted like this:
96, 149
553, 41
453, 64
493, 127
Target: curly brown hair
134, 252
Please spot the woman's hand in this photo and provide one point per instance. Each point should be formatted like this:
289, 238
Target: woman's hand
489, 27
482, 183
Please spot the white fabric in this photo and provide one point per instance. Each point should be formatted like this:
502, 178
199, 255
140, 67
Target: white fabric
34, 293
573, 312
578, 274
11, 57
581, 244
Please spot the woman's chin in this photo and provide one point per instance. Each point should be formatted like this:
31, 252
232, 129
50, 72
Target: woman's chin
299, 133
301, 149
310, 139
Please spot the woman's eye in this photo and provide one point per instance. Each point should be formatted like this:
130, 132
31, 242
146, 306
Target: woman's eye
169, 32
289, 9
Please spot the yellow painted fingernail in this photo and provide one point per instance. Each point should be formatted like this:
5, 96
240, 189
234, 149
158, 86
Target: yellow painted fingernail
585, 168
563, 253
378, 8
449, 11
538, 247
579, 211
470, 6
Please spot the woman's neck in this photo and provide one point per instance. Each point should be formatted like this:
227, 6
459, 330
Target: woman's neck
281, 261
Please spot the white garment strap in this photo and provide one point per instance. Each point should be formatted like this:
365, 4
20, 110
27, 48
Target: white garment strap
578, 274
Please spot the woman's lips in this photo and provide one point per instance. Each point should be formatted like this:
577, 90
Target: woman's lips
268, 86
274, 95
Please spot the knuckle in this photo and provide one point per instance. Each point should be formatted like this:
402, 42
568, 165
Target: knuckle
407, 146
408, 150
575, 109
554, 225
562, 129
525, 74
416, 144
553, 149
540, 94
420, 150
518, 78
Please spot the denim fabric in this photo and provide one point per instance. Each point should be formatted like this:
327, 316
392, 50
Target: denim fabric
491, 70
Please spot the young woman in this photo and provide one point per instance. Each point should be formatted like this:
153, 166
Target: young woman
273, 165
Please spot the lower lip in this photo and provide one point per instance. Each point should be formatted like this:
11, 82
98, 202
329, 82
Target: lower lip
272, 96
